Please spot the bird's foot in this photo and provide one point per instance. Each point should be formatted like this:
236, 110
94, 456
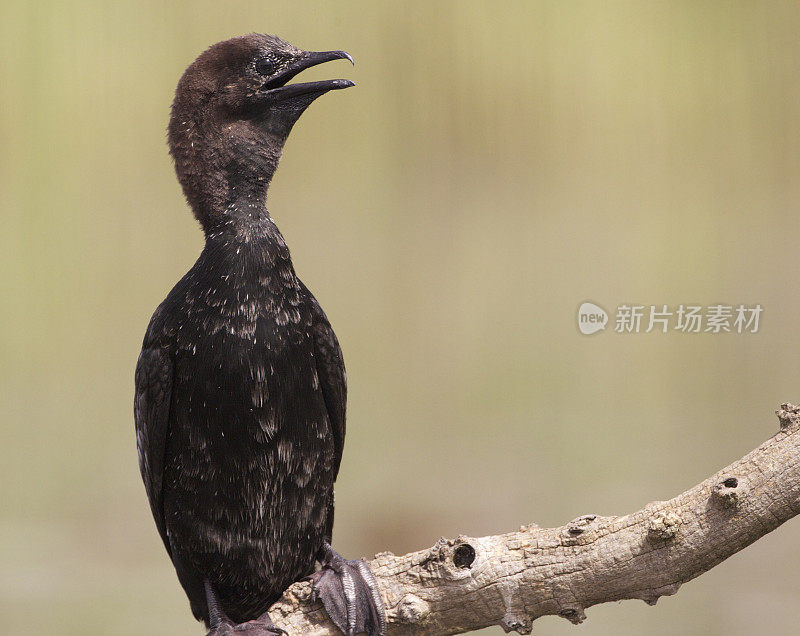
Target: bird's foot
349, 592
221, 625
259, 627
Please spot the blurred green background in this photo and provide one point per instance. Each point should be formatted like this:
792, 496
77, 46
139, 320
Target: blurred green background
497, 165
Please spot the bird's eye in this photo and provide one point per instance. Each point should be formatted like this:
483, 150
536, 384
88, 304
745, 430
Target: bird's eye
265, 66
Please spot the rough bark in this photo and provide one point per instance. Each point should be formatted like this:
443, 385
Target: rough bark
468, 583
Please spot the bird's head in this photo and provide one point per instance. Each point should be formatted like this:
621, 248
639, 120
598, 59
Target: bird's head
234, 108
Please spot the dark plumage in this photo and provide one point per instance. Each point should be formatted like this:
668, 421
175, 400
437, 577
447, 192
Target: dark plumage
240, 385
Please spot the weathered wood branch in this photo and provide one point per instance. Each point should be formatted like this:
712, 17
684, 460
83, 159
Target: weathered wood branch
468, 583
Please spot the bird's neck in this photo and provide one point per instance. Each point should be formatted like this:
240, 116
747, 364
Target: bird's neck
225, 169
235, 204
248, 242
245, 217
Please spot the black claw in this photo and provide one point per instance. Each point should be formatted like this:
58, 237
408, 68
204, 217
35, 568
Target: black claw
349, 592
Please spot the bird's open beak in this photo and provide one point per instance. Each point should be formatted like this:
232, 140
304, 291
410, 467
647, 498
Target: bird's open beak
276, 86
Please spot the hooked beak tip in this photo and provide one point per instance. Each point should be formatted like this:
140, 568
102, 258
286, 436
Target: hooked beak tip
342, 83
335, 55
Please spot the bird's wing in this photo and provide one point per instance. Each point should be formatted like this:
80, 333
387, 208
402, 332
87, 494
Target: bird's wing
151, 413
332, 376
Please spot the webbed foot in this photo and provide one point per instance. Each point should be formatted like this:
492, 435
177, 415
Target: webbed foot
221, 625
250, 628
349, 592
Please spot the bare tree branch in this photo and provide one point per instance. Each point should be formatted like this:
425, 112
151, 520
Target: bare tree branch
469, 583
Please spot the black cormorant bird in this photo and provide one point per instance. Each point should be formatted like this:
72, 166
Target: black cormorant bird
240, 385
